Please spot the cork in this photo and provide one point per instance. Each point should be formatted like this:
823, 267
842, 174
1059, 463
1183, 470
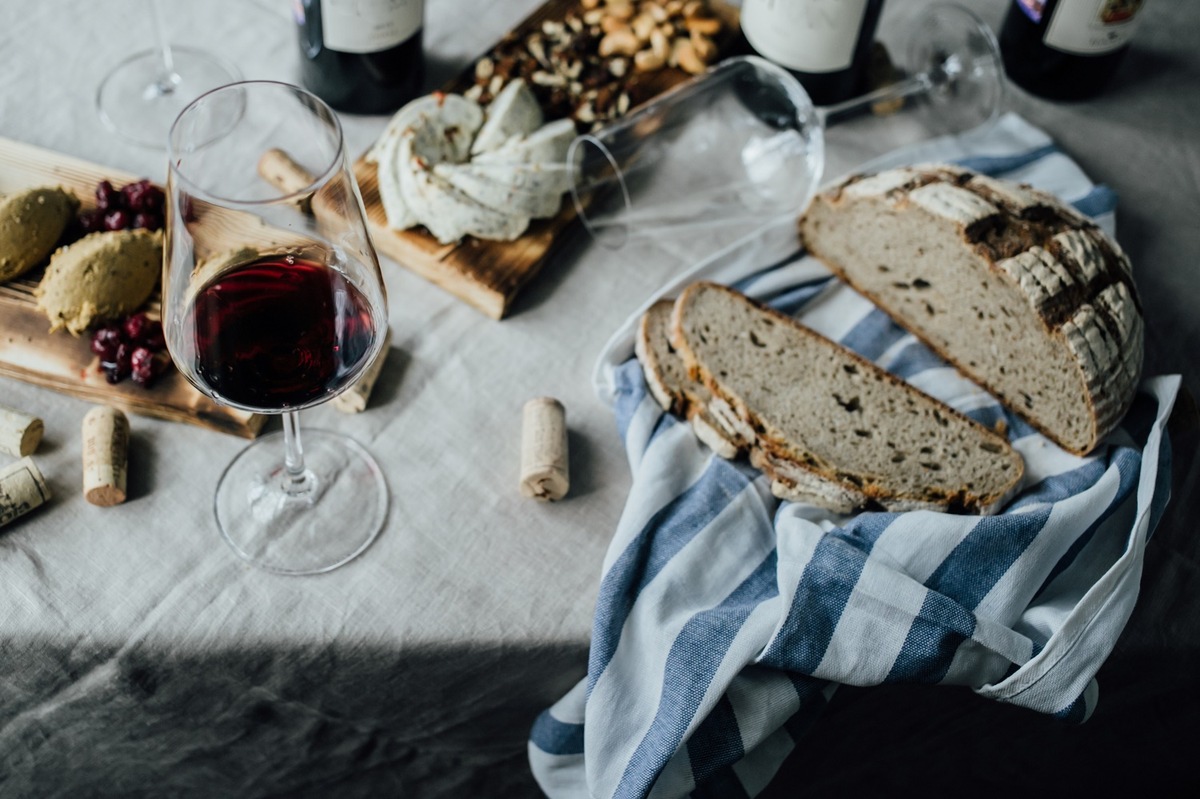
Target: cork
105, 453
281, 171
544, 473
22, 488
355, 398
20, 433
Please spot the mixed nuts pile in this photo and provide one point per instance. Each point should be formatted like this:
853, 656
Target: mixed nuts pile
591, 66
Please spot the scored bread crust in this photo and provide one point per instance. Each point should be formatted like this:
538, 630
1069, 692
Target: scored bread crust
797, 473
1076, 282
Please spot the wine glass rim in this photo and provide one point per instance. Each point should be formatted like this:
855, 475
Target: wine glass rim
317, 181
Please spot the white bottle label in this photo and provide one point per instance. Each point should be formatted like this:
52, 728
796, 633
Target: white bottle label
804, 35
367, 26
1092, 27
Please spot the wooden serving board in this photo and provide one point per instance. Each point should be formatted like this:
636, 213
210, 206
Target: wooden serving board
64, 363
489, 274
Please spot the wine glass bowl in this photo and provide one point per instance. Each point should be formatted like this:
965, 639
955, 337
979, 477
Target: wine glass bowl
744, 140
273, 301
740, 143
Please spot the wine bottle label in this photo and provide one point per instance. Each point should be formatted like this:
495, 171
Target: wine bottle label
367, 26
1092, 27
804, 35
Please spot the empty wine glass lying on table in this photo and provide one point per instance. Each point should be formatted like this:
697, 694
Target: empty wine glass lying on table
271, 309
744, 142
141, 96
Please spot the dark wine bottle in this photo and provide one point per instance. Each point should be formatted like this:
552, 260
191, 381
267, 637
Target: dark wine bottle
1067, 49
361, 56
826, 44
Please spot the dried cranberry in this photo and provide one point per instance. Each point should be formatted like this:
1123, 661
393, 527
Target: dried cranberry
117, 369
134, 325
136, 194
91, 221
153, 199
147, 220
152, 336
141, 365
105, 342
142, 331
116, 220
107, 197
124, 353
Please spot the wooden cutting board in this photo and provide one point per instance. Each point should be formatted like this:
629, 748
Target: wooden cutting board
64, 363
489, 274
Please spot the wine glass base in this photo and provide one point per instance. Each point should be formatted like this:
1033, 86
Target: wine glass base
140, 99
959, 55
308, 533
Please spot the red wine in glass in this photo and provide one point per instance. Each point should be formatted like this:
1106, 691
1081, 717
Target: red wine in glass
278, 332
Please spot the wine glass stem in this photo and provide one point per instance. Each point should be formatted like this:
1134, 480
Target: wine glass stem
917, 84
166, 82
297, 480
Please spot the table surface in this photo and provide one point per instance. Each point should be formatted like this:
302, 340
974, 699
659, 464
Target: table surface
140, 656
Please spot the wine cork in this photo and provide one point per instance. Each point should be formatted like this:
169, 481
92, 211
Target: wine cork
20, 433
354, 399
22, 488
281, 171
544, 473
105, 450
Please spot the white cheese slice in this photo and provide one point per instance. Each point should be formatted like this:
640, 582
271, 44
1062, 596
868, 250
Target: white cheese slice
408, 117
514, 112
521, 188
546, 145
445, 131
399, 215
443, 209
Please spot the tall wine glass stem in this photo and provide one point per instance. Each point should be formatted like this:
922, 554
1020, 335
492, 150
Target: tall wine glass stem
169, 78
916, 84
297, 481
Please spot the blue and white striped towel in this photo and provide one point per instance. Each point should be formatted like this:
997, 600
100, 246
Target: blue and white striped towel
726, 618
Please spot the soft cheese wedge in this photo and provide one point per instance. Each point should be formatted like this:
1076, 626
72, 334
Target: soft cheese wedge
547, 145
514, 112
444, 163
444, 210
830, 427
502, 186
441, 127
1023, 294
442, 110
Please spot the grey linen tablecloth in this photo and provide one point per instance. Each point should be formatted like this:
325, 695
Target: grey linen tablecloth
139, 657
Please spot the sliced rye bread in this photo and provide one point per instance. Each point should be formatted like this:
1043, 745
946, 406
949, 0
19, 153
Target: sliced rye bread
675, 391
1022, 293
831, 427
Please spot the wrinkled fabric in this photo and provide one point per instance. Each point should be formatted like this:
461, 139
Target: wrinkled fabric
726, 618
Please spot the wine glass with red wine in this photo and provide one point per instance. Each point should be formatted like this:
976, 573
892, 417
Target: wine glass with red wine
273, 302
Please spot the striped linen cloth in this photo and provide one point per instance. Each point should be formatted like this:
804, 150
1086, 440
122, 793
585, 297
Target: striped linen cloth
726, 618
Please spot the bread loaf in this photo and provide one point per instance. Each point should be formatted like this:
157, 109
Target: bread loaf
828, 426
1023, 294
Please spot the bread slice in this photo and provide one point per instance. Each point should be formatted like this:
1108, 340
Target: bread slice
676, 392
1023, 294
831, 427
